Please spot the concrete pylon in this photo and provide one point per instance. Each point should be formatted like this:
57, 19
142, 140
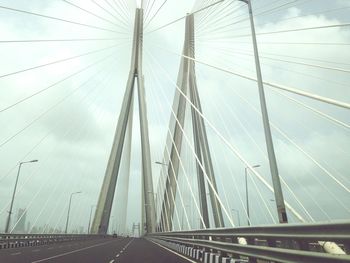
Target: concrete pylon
187, 83
168, 204
198, 141
105, 201
201, 136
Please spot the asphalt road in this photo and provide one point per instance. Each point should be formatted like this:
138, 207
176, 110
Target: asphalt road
106, 250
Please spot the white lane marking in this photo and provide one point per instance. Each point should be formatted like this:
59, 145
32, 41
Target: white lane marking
36, 250
111, 261
71, 252
15, 254
177, 254
126, 246
50, 248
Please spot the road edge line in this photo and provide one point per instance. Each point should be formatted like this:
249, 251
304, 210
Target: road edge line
190, 260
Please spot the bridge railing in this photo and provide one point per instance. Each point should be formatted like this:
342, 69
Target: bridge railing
278, 243
26, 240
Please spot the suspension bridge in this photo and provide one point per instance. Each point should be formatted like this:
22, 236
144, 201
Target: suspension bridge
175, 131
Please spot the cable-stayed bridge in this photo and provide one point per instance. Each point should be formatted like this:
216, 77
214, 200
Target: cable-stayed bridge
167, 131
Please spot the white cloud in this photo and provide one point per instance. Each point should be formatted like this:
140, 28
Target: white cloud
79, 133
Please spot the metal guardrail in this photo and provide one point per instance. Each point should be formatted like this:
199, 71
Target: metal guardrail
277, 243
27, 240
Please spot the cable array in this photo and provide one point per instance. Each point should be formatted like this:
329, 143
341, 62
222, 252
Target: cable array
68, 122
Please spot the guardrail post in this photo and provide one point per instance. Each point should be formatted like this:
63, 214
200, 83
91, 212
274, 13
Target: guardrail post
251, 241
303, 245
347, 247
271, 242
287, 244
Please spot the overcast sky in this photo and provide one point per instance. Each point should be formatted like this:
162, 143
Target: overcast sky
69, 126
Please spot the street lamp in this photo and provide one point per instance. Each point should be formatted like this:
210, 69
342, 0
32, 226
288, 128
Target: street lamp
160, 163
156, 200
182, 217
281, 208
14, 193
237, 212
246, 189
112, 219
90, 218
70, 201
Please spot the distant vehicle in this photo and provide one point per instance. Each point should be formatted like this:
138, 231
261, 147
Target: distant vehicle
114, 235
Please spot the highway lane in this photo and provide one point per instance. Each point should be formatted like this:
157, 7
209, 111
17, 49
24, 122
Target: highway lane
57, 252
142, 250
106, 250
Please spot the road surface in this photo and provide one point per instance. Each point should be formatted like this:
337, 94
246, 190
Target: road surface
106, 250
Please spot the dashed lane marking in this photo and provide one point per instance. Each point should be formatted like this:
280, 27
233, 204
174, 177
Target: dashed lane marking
36, 250
126, 246
15, 254
111, 261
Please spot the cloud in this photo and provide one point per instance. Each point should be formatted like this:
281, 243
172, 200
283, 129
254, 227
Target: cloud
73, 140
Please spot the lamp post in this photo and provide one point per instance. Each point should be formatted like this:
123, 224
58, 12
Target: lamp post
156, 200
182, 217
90, 218
70, 201
112, 219
164, 164
237, 212
281, 208
14, 194
246, 190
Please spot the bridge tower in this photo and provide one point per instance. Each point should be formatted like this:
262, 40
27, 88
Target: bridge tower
105, 201
136, 227
186, 81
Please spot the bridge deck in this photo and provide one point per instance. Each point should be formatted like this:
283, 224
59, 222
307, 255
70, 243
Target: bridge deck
107, 250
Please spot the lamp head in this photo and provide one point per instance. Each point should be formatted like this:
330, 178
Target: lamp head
161, 163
